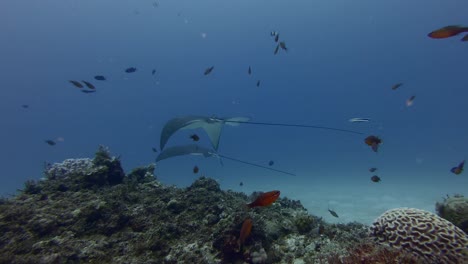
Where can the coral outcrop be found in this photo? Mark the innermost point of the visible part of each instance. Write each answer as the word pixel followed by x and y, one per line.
pixel 90 211
pixel 454 209
pixel 423 234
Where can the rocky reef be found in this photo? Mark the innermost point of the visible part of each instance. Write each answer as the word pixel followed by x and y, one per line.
pixel 89 210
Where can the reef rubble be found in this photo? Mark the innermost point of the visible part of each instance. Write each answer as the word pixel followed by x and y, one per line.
pixel 89 210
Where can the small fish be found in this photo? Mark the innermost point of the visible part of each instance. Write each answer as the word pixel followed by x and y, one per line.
pixel 277 38
pixel 271 163
pixel 273 33
pixel 25 106
pixel 374 142
pixel 89 85
pixel 241 184
pixel 50 142
pixel 396 86
pixel 153 72
pixel 245 231
pixel 195 137
pixel 358 120
pixel 88 91
pixel 458 169
pixel 276 49
pixel 446 32
pixel 258 83
pixel 100 78
pixel 249 71
pixel 375 178
pixel 209 70
pixel 130 70
pixel 265 199
pixel 77 84
pixel 283 45
pixel 154 150
pixel 465 38
pixel 195 169
pixel 410 101
pixel 372 169
pixel 333 212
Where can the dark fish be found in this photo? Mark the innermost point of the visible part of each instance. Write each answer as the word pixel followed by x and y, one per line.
pixel 154 150
pixel 195 169
pixel 245 231
pixel 396 86
pixel 88 91
pixel 77 84
pixel 283 45
pixel 50 142
pixel 465 38
pixel 195 137
pixel 153 72
pixel 277 38
pixel 273 33
pixel 271 163
pixel 265 199
pixel 374 142
pixel 209 70
pixel 249 71
pixel 372 169
pixel 100 78
pixel 410 101
pixel 446 32
pixel 241 184
pixel 333 212
pixel 375 178
pixel 25 106
pixel 458 169
pixel 89 85
pixel 276 49
pixel 130 70
pixel 258 83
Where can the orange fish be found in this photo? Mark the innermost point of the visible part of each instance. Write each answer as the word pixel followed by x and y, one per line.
pixel 447 32
pixel 458 169
pixel 374 142
pixel 245 231
pixel 265 199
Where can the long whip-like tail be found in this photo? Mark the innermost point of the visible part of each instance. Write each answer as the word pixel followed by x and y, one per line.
pixel 256 165
pixel 294 125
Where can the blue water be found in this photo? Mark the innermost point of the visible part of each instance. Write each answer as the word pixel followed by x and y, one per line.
pixel 343 58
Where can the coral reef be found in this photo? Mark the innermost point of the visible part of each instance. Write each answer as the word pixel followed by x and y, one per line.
pixel 455 210
pixel 89 210
pixel 424 234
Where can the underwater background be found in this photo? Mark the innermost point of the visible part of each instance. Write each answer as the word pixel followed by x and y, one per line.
pixel 343 58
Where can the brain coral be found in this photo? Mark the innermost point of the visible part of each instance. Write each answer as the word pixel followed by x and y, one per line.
pixel 422 233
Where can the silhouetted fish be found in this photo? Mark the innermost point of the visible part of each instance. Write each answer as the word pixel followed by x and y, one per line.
pixel 258 83
pixel 50 142
pixel 195 169
pixel 88 91
pixel 374 142
pixel 241 184
pixel 372 169
pixel 271 163
pixel 209 70
pixel 89 85
pixel 100 78
pixel 396 86
pixel 195 137
pixel 333 212
pixel 276 49
pixel 458 169
pixel 153 72
pixel 154 150
pixel 130 70
pixel 410 101
pixel 249 71
pixel 448 31
pixel 77 84
pixel 277 38
pixel 25 106
pixel 375 178
pixel 283 45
